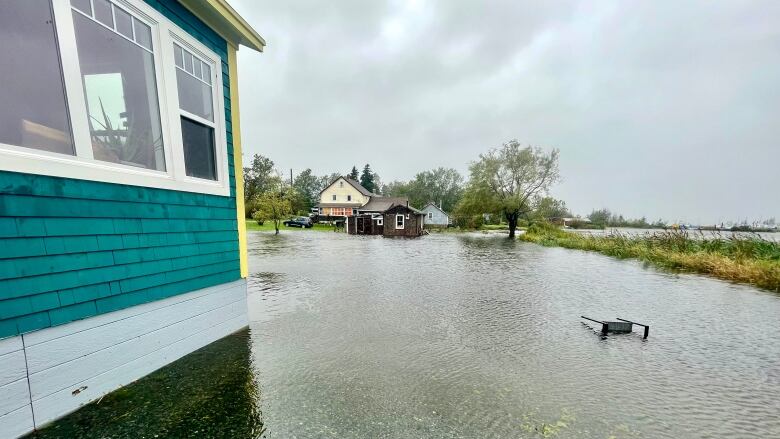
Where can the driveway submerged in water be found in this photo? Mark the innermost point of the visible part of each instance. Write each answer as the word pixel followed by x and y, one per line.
pixel 479 336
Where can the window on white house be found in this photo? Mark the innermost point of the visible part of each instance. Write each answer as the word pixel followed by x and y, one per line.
pixel 430 215
pixel 341 184
pixel 399 221
pixel 334 198
pixel 194 86
pixel 32 96
pixel 120 86
pixel 349 197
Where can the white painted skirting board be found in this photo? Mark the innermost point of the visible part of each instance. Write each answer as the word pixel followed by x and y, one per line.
pixel 40 371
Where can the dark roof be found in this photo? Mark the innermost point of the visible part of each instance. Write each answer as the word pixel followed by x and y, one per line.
pixel 402 207
pixel 359 187
pixel 354 184
pixel 381 204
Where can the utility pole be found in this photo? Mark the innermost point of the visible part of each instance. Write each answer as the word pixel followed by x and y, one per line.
pixel 291 178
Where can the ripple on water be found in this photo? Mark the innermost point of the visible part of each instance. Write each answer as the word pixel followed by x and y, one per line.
pixel 475 336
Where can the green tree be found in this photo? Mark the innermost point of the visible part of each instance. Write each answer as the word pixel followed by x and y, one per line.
pixel 440 185
pixel 367 178
pixel 274 205
pixel 505 180
pixel 258 178
pixel 396 189
pixel 600 217
pixel 308 187
pixel 353 174
pixel 547 208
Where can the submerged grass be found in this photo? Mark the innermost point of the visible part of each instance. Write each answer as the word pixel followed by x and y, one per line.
pixel 268 226
pixel 210 393
pixel 746 259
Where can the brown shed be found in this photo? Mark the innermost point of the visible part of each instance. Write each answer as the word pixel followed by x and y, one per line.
pixel 402 220
pixel 365 224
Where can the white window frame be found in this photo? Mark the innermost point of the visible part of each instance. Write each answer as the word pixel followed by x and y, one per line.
pixel 334 197
pixel 403 222
pixel 83 165
pixel 430 215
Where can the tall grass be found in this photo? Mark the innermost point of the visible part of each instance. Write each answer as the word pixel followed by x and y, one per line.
pixel 746 259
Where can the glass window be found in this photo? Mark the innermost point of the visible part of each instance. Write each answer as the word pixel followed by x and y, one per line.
pixel 399 221
pixel 349 197
pixel 195 98
pixel 121 92
pixel 103 13
pixel 33 109
pixel 195 95
pixel 124 23
pixel 84 6
pixel 198 140
pixel 178 56
pixel 143 34
pixel 334 198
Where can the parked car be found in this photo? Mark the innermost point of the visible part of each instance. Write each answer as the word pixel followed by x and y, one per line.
pixel 299 221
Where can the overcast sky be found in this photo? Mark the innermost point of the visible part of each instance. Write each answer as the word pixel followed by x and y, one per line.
pixel 659 108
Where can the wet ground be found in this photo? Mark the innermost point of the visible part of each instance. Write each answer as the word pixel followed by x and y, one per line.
pixel 463 336
pixel 211 393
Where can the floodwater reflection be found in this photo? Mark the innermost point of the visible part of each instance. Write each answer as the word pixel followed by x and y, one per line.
pixel 477 336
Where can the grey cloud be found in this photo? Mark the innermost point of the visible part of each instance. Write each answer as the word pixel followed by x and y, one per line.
pixel 664 109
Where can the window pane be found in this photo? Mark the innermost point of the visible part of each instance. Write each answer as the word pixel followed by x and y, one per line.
pixel 124 23
pixel 187 62
pixel 206 73
pixel 143 34
pixel 121 94
pixel 194 95
pixel 103 13
pixel 178 56
pixel 32 99
pixel 82 5
pixel 196 68
pixel 198 140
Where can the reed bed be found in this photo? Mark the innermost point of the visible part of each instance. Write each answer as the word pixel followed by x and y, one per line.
pixel 743 258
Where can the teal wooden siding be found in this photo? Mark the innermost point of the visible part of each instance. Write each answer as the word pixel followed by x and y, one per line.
pixel 71 249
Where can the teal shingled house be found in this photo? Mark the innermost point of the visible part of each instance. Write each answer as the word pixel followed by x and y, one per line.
pixel 122 243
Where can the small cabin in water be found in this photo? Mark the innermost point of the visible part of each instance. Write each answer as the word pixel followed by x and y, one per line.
pixel 397 220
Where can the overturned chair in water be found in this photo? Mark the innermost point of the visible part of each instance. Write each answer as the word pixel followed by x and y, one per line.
pixel 621 327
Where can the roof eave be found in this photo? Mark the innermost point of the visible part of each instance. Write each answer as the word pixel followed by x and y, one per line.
pixel 219 15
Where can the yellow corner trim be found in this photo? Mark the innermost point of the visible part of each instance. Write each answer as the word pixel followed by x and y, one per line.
pixel 238 162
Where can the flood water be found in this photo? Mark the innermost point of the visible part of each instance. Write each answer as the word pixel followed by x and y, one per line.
pixel 475 336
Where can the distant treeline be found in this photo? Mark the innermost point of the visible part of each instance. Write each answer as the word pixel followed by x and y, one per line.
pixel 508 184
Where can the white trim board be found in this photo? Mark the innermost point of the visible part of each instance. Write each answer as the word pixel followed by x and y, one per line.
pixel 103 353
